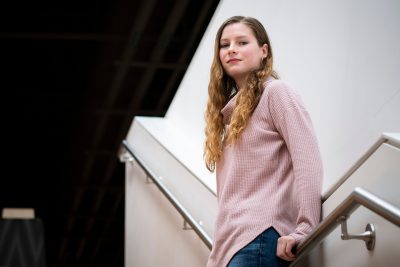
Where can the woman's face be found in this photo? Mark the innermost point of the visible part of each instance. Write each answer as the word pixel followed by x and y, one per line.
pixel 239 52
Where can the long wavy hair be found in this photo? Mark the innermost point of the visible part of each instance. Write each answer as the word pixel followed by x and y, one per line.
pixel 220 88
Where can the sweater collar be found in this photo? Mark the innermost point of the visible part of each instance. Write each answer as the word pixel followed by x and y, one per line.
pixel 227 110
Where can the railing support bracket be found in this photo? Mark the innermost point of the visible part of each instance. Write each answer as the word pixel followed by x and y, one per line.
pixel 148 180
pixel 368 236
pixel 186 225
pixel 124 156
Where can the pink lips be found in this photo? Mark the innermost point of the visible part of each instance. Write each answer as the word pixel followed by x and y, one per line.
pixel 233 60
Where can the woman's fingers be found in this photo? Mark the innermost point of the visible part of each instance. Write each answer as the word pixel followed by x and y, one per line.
pixel 284 248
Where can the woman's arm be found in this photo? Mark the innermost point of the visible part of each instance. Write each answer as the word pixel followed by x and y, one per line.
pixel 294 124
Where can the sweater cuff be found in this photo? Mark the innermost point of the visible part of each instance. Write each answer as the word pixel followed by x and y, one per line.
pixel 297 237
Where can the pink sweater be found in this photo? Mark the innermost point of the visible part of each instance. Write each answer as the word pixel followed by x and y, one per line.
pixel 272 176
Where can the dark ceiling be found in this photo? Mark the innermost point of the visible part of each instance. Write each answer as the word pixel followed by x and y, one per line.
pixel 74 75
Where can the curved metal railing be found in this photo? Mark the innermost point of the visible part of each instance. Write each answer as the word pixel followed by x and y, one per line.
pixel 171 198
pixel 385 138
pixel 359 197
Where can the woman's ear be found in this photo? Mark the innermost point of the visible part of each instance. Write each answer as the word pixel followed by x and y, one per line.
pixel 264 50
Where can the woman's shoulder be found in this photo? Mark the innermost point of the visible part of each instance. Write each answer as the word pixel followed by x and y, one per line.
pixel 278 89
pixel 281 93
pixel 277 86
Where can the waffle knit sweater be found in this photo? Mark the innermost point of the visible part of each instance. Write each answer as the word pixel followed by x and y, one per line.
pixel 271 176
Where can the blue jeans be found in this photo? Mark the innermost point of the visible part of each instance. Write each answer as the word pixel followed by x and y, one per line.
pixel 261 252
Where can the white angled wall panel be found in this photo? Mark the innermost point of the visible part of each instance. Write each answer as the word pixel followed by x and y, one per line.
pixel 153 228
pixel 342 56
pixel 154 234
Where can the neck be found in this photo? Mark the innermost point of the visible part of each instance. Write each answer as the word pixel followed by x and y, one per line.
pixel 240 83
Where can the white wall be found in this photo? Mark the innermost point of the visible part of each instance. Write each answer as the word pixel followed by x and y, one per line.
pixel 154 234
pixel 340 55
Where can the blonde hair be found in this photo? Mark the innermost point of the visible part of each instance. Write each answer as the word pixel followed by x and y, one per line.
pixel 220 88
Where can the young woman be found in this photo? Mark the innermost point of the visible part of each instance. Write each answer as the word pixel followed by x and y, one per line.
pixel 261 142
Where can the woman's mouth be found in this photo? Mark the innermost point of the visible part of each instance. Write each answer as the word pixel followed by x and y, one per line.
pixel 233 60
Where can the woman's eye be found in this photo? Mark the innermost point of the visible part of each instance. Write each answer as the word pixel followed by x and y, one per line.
pixel 223 45
pixel 243 43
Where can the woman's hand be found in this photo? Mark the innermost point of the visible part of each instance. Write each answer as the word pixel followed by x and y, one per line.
pixel 284 248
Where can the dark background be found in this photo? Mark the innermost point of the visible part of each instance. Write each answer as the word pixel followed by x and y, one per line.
pixel 74 74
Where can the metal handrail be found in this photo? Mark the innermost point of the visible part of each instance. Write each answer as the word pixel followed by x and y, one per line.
pixel 172 199
pixel 385 138
pixel 359 197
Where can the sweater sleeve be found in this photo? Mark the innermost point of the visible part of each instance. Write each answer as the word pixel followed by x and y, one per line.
pixel 293 122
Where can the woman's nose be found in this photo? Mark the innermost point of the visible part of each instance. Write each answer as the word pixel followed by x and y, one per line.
pixel 232 49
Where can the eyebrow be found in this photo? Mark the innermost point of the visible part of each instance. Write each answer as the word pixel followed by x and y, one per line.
pixel 236 37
